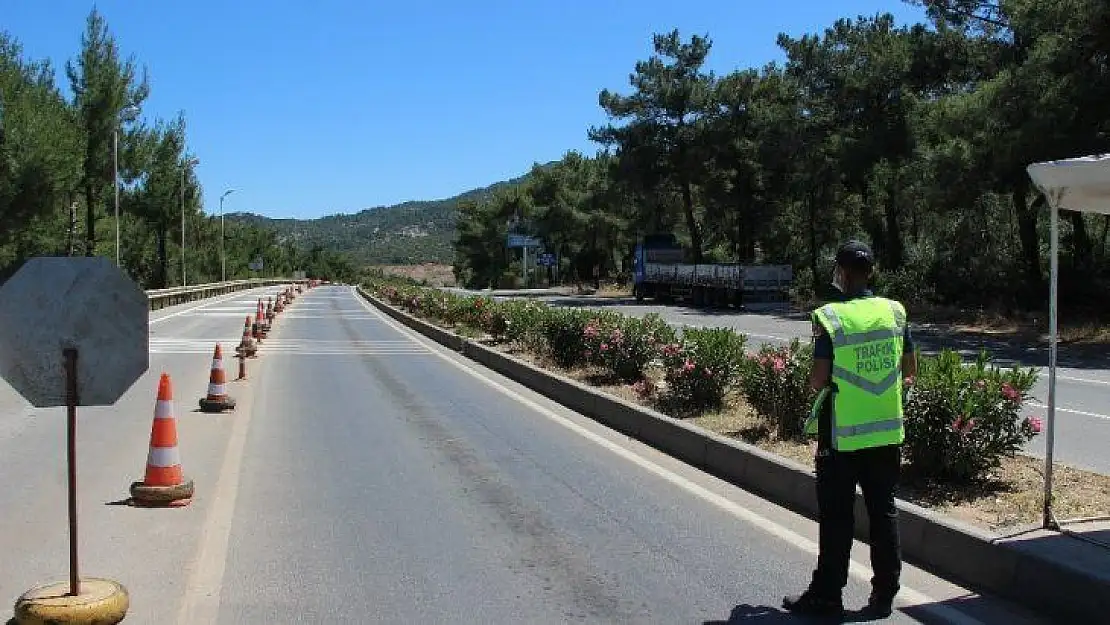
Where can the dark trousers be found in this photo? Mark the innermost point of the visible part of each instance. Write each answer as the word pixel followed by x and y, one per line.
pixel 876 471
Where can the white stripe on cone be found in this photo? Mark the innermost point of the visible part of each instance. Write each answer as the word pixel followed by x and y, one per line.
pixel 217 390
pixel 163 409
pixel 163 457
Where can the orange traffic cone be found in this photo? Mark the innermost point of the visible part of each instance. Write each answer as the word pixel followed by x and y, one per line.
pixel 217 399
pixel 164 484
pixel 270 311
pixel 246 344
pixel 263 327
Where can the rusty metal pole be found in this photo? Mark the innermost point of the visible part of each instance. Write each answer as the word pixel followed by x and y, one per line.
pixel 70 356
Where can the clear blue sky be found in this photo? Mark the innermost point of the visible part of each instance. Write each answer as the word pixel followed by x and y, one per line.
pixel 328 106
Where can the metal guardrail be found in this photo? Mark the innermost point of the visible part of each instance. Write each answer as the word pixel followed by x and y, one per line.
pixel 161 298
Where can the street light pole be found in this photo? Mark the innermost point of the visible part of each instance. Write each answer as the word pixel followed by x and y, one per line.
pixel 189 163
pixel 223 257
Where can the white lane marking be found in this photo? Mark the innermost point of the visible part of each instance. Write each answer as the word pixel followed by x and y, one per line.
pixel 781 339
pixel 201 604
pixel 218 300
pixel 907 597
pixel 1075 379
pixel 1062 409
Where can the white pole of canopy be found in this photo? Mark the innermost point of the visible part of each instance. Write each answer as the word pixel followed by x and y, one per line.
pixel 1048 521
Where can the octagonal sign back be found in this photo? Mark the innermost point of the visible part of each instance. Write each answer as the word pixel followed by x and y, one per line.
pixel 86 303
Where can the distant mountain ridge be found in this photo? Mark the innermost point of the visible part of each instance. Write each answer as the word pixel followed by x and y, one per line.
pixel 402 234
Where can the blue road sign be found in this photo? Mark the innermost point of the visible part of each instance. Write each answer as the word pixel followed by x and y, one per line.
pixel 520 240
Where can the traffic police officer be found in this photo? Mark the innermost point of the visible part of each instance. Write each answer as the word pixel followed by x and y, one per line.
pixel 863 356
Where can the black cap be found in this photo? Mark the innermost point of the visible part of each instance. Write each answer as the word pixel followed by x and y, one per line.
pixel 855 254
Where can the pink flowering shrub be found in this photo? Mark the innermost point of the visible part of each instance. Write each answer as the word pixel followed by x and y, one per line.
pixel 702 367
pixel 776 385
pixel 645 389
pixel 435 306
pixel 961 420
pixel 564 332
pixel 625 345
pixel 390 294
pixel 487 315
pixel 524 322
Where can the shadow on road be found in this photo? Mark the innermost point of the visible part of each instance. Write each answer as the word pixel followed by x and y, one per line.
pixel 746 613
pixel 936 613
pixel 1006 352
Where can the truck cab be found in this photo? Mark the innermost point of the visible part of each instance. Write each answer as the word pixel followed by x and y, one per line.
pixel 653 248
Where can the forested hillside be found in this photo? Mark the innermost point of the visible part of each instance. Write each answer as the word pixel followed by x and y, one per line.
pixel 408 233
pixel 913 138
pixel 57 173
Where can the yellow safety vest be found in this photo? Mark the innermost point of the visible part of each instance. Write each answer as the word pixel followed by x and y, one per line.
pixel 867 336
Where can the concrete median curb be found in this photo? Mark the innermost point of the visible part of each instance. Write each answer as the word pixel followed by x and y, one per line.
pixel 1057 584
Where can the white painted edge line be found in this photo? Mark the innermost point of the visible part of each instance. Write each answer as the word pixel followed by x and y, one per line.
pixel 1078 412
pixel 205 573
pixel 906 597
pixel 1070 378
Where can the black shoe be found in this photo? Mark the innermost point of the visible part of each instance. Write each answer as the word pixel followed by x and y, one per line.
pixel 813 604
pixel 879 605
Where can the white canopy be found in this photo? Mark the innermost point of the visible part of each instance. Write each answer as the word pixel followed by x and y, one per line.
pixel 1078 184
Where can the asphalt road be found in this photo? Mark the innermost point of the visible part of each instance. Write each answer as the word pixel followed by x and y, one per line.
pixel 1082 383
pixel 369 476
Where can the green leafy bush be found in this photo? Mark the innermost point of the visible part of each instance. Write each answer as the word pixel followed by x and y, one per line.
pixel 961 421
pixel 564 334
pixel 701 368
pixel 775 384
pixel 524 323
pixel 625 345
